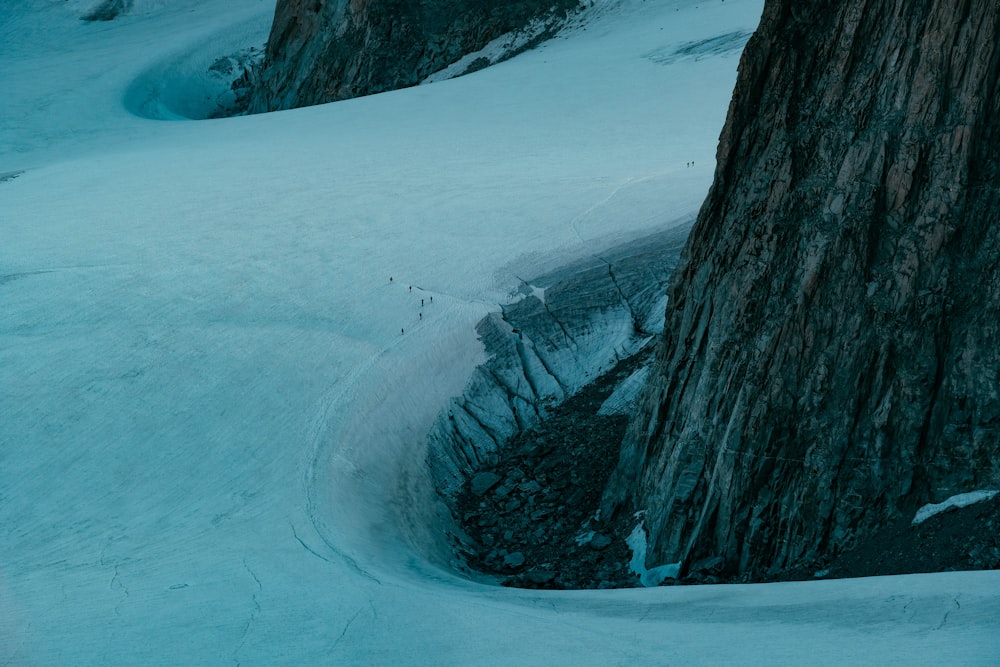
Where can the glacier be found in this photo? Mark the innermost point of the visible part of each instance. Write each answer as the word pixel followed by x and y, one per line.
pixel 215 406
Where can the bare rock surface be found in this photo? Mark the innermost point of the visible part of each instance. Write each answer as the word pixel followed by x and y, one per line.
pixel 327 50
pixel 541 526
pixel 966 538
pixel 830 358
pixel 108 10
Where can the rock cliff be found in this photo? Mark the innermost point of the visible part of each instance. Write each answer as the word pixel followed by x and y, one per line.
pixel 830 358
pixel 327 50
pixel 108 10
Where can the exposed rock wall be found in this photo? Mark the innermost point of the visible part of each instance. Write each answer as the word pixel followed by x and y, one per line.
pixel 326 50
pixel 108 10
pixel 831 354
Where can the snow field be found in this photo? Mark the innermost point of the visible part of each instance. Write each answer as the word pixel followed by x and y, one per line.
pixel 212 429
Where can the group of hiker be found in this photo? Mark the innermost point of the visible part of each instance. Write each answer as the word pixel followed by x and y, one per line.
pixel 420 315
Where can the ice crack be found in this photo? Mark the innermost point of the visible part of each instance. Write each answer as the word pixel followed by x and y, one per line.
pixel 346 628
pixel 636 322
pixel 254 613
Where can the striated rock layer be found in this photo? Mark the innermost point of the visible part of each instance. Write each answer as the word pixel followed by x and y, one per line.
pixel 327 50
pixel 831 355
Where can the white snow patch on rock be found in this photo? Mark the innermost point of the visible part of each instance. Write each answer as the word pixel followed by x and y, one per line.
pixel 498 49
pixel 960 500
pixel 650 577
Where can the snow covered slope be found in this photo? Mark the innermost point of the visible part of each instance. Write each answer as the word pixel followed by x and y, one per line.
pixel 211 422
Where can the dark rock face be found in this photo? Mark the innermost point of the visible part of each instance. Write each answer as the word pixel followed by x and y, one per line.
pixel 962 539
pixel 830 358
pixel 326 50
pixel 108 10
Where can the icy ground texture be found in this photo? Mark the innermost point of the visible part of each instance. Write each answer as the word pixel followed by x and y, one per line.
pixel 212 430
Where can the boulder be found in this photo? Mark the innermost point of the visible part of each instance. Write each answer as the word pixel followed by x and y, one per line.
pixel 483 482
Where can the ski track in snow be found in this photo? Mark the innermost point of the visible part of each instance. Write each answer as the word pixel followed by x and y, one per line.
pixel 318 440
pixel 212 428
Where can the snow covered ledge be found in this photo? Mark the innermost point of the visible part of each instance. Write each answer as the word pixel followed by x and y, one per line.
pixel 955 502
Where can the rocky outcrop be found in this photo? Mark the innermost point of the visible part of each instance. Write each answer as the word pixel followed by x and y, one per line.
pixel 530 518
pixel 327 50
pixel 108 10
pixel 830 357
